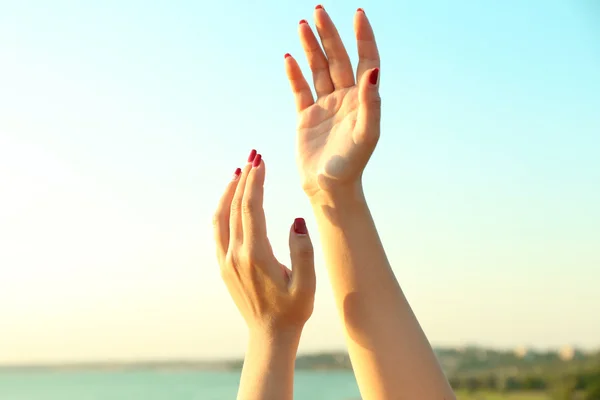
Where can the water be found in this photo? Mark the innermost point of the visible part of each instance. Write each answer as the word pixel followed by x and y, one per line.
pixel 161 385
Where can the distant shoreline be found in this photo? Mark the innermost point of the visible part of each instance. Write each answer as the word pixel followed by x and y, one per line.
pixel 454 360
pixel 122 366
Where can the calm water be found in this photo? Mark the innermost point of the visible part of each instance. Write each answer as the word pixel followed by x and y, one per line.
pixel 160 385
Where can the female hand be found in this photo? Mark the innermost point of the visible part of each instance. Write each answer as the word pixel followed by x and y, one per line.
pixel 338 133
pixel 271 298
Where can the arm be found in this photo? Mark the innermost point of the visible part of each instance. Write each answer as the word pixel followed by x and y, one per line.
pixel 274 301
pixel 391 356
pixel 268 371
pixel 337 134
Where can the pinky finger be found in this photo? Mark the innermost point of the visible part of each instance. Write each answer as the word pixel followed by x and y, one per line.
pixel 222 215
pixel 300 87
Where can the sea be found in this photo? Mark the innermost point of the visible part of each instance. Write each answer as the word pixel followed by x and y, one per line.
pixel 161 385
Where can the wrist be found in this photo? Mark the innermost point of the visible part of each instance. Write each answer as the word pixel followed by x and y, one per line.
pixel 339 204
pixel 339 197
pixel 269 362
pixel 284 341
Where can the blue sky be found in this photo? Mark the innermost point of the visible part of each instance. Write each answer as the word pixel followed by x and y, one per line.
pixel 121 122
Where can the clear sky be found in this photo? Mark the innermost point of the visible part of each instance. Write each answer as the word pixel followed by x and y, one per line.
pixel 121 122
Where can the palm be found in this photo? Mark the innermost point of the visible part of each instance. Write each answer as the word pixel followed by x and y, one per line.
pixel 334 138
pixel 326 138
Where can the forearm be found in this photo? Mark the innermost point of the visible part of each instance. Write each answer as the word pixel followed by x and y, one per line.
pixel 390 354
pixel 268 371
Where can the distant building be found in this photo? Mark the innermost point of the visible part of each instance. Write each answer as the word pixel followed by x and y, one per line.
pixel 522 352
pixel 568 353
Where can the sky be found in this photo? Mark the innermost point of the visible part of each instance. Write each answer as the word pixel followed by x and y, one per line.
pixel 121 122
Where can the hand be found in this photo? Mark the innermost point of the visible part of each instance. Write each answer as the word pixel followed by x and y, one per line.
pixel 271 298
pixel 338 133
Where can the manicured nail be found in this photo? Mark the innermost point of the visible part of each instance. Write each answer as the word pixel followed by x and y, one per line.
pixel 237 173
pixel 287 55
pixel 251 156
pixel 319 7
pixel 300 226
pixel 360 10
pixel 257 160
pixel 374 77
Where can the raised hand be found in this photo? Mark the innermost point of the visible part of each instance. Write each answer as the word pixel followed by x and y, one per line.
pixel 391 356
pixel 270 297
pixel 338 132
pixel 275 301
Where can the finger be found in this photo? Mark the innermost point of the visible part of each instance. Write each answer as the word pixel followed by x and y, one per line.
pixel 253 216
pixel 316 60
pixel 340 68
pixel 221 218
pixel 300 88
pixel 303 259
pixel 368 120
pixel 368 54
pixel 235 218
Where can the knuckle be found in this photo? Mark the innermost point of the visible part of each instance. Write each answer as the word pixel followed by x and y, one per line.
pixel 216 218
pixel 248 206
pixel 227 268
pixel 253 255
pixel 376 101
pixel 307 247
pixel 243 256
pixel 236 206
pixel 304 252
pixel 226 273
pixel 235 256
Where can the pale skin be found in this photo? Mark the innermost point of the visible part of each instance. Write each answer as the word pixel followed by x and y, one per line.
pixel 274 301
pixel 337 133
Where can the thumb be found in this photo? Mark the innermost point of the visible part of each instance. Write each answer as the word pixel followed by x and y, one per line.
pixel 303 259
pixel 369 109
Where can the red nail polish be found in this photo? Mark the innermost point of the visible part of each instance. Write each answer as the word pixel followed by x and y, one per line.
pixel 257 161
pixel 319 7
pixel 300 226
pixel 360 10
pixel 303 21
pixel 287 55
pixel 237 173
pixel 374 76
pixel 251 156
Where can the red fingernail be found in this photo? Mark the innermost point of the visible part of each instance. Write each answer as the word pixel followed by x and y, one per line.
pixel 374 76
pixel 287 55
pixel 360 10
pixel 319 7
pixel 300 226
pixel 303 21
pixel 257 160
pixel 237 173
pixel 251 156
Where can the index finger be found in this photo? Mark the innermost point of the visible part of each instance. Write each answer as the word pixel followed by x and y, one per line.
pixel 253 220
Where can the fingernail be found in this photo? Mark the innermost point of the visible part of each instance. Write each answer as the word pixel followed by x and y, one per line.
pixel 257 160
pixel 303 21
pixel 300 226
pixel 251 156
pixel 374 77
pixel 287 55
pixel 237 173
pixel 319 7
pixel 360 10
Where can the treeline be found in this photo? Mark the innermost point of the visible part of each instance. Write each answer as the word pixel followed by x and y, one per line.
pixel 476 360
pixel 565 386
pixel 475 369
